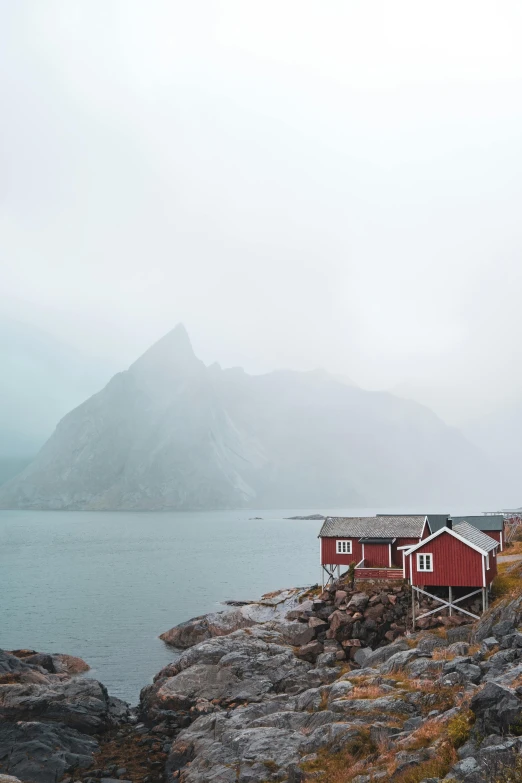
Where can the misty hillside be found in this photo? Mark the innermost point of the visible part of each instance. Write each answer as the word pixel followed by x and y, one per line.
pixel 42 379
pixel 499 434
pixel 171 433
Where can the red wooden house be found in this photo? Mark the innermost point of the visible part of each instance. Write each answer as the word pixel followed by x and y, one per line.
pixel 459 555
pixel 456 556
pixel 374 544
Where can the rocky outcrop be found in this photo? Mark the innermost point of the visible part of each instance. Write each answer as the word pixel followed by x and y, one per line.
pixel 284 699
pixel 43 752
pixel 272 607
pixel 250 706
pixel 48 718
pixel 343 623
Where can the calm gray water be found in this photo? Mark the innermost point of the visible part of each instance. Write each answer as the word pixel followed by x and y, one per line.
pixel 104 585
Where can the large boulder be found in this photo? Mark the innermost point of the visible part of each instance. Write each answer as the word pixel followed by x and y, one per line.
pixel 81 704
pixel 43 752
pixel 199 629
pixel 245 666
pixel 498 710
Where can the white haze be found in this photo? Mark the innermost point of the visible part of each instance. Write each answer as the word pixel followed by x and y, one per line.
pixel 303 184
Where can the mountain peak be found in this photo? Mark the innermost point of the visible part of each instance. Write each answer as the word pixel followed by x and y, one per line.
pixel 173 349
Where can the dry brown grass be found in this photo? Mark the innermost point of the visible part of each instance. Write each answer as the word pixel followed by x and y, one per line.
pixel 435 768
pixel 426 734
pixel 507 583
pixel 443 654
pixel 365 692
pixel 341 767
pixel 513 548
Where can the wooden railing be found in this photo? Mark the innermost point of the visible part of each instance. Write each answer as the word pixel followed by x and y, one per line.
pixel 378 573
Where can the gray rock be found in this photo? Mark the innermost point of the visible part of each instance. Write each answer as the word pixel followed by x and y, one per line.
pixel 382 654
pixel 239 667
pixel 461 633
pixel 413 723
pixel 397 661
pixel 361 655
pixel 496 709
pixel 424 668
pixel 463 769
pixel 82 704
pixel 326 659
pixel 43 752
pixel 358 601
pixel 430 643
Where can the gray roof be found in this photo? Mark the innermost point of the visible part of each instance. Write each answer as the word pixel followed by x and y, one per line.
pixel 435 521
pixel 477 537
pixel 489 522
pixel 373 527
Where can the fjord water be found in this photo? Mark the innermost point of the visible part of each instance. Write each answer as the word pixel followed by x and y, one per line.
pixel 104 585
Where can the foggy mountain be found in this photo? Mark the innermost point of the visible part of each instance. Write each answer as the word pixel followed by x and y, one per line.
pixel 171 433
pixel 499 435
pixel 42 379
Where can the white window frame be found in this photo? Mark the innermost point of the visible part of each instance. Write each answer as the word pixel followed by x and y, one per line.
pixel 343 546
pixel 424 555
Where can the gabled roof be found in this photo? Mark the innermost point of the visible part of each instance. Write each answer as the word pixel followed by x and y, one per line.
pixel 489 522
pixel 373 527
pixel 477 537
pixel 463 532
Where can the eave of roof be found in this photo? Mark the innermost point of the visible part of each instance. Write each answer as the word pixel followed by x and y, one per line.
pixel 376 540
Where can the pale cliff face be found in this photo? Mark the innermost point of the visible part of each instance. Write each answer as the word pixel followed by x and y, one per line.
pixel 170 433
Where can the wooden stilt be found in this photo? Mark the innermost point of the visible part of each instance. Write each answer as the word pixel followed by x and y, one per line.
pixel 413 606
pixel 450 599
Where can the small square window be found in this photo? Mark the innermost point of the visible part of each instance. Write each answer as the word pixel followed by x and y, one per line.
pixel 425 562
pixel 344 547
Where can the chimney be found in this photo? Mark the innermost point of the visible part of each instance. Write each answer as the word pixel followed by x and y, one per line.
pixel 449 523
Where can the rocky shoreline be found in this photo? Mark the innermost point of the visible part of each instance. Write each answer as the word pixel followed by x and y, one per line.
pixel 303 685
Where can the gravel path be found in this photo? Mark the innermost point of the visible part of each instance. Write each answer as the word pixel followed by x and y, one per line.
pixel 508 558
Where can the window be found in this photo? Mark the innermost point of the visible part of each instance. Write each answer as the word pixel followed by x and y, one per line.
pixel 344 547
pixel 425 562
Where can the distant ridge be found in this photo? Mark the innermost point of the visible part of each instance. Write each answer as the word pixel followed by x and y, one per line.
pixel 170 433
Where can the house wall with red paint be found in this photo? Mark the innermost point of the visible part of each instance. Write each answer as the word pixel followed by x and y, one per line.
pixel 397 553
pixel 329 554
pixel 376 555
pixel 454 563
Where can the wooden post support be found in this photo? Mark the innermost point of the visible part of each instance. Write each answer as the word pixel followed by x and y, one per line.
pixel 413 607
pixel 450 600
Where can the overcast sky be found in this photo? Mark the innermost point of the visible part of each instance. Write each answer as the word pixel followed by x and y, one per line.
pixel 302 183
